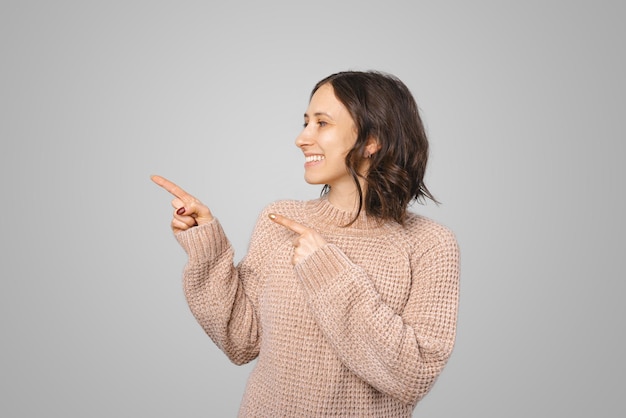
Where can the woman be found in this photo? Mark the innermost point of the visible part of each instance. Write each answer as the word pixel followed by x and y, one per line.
pixel 349 301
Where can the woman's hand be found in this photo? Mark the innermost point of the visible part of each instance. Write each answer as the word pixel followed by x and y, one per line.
pixel 307 241
pixel 188 211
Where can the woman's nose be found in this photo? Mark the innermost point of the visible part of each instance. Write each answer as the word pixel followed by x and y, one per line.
pixel 303 139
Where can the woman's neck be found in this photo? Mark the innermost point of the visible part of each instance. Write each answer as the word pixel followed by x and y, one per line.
pixel 345 196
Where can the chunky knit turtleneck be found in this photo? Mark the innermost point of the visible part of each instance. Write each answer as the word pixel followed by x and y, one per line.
pixel 325 217
pixel 362 327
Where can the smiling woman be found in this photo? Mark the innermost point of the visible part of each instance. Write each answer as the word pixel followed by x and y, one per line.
pixel 348 301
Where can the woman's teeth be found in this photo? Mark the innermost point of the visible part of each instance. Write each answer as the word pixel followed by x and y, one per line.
pixel 312 158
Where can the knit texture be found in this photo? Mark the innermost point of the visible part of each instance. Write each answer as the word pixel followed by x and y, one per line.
pixel 362 327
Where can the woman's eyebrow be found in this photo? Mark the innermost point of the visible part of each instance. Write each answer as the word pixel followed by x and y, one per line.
pixel 306 115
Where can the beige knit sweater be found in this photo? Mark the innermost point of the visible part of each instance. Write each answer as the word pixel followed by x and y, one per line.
pixel 362 327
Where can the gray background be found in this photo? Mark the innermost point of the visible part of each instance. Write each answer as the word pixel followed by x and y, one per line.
pixel 524 104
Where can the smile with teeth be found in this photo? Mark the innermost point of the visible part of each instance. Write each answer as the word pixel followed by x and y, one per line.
pixel 312 158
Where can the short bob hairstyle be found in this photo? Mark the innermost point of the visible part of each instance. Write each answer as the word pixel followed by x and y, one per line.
pixel 383 108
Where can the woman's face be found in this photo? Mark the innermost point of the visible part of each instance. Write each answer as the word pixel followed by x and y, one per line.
pixel 329 134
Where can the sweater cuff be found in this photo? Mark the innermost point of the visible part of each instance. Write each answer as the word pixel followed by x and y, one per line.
pixel 204 242
pixel 322 268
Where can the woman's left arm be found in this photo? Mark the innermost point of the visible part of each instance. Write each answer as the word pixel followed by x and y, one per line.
pixel 398 354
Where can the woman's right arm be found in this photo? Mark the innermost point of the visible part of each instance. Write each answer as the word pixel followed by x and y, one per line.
pixel 223 306
pixel 220 296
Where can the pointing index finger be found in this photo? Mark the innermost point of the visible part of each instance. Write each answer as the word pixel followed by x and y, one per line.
pixel 288 223
pixel 170 187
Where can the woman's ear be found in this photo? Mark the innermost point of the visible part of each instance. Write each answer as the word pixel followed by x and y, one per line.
pixel 372 147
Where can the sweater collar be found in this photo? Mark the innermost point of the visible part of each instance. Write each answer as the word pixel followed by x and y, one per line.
pixel 323 216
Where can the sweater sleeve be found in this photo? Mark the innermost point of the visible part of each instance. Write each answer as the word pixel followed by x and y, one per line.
pixel 222 297
pixel 398 354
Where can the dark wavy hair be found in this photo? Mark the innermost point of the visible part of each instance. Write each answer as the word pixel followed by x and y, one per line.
pixel 383 108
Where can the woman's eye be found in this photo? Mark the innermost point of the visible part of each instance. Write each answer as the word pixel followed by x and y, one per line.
pixel 320 123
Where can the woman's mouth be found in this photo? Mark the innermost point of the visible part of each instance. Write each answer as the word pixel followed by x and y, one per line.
pixel 313 158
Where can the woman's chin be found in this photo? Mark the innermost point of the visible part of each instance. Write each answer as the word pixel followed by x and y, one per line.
pixel 312 180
